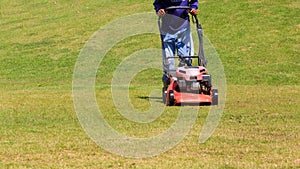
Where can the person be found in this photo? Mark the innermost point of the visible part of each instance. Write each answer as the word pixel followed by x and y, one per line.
pixel 175 32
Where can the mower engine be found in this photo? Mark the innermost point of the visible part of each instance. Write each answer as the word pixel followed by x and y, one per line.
pixel 193 79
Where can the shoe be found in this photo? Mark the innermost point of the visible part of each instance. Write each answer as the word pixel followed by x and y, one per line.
pixel 185 62
pixel 188 61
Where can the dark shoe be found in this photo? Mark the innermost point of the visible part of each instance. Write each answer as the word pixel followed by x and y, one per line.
pixel 188 61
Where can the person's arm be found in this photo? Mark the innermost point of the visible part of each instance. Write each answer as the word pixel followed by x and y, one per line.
pixel 158 4
pixel 194 4
pixel 194 7
pixel 159 7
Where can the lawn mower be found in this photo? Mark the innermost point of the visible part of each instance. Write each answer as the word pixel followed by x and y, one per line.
pixel 188 84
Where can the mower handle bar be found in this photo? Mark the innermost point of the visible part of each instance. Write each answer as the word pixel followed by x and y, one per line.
pixel 201 58
pixel 177 7
pixel 184 7
pixel 182 57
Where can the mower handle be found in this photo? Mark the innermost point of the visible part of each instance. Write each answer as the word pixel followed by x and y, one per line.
pixel 184 7
pixel 182 57
pixel 201 59
pixel 177 7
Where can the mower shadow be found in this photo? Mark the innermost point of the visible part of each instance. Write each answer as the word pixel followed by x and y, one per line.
pixel 157 99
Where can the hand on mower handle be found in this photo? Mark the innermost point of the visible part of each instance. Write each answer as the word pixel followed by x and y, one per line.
pixel 193 11
pixel 161 12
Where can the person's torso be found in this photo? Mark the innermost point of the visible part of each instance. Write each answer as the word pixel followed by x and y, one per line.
pixel 176 19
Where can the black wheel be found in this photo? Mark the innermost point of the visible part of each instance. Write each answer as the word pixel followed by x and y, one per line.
pixel 171 98
pixel 215 97
pixel 164 94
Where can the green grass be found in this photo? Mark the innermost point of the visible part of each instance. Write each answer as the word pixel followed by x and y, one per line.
pixel 257 41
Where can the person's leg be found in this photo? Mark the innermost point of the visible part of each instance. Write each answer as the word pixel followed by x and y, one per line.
pixel 185 44
pixel 168 47
pixel 192 49
pixel 168 50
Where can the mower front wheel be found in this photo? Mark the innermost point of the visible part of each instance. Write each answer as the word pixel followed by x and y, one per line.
pixel 171 100
pixel 164 94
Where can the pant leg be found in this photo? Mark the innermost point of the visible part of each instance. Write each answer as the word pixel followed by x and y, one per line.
pixel 168 50
pixel 192 52
pixel 184 43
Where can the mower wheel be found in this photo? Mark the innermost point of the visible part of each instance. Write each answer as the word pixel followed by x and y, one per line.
pixel 171 98
pixel 164 94
pixel 215 97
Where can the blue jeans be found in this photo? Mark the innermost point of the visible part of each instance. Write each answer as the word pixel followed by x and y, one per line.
pixel 180 42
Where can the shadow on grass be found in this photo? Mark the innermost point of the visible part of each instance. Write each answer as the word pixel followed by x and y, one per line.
pixel 156 99
pixel 148 98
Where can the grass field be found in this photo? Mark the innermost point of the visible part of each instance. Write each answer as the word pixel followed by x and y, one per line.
pixel 40 41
